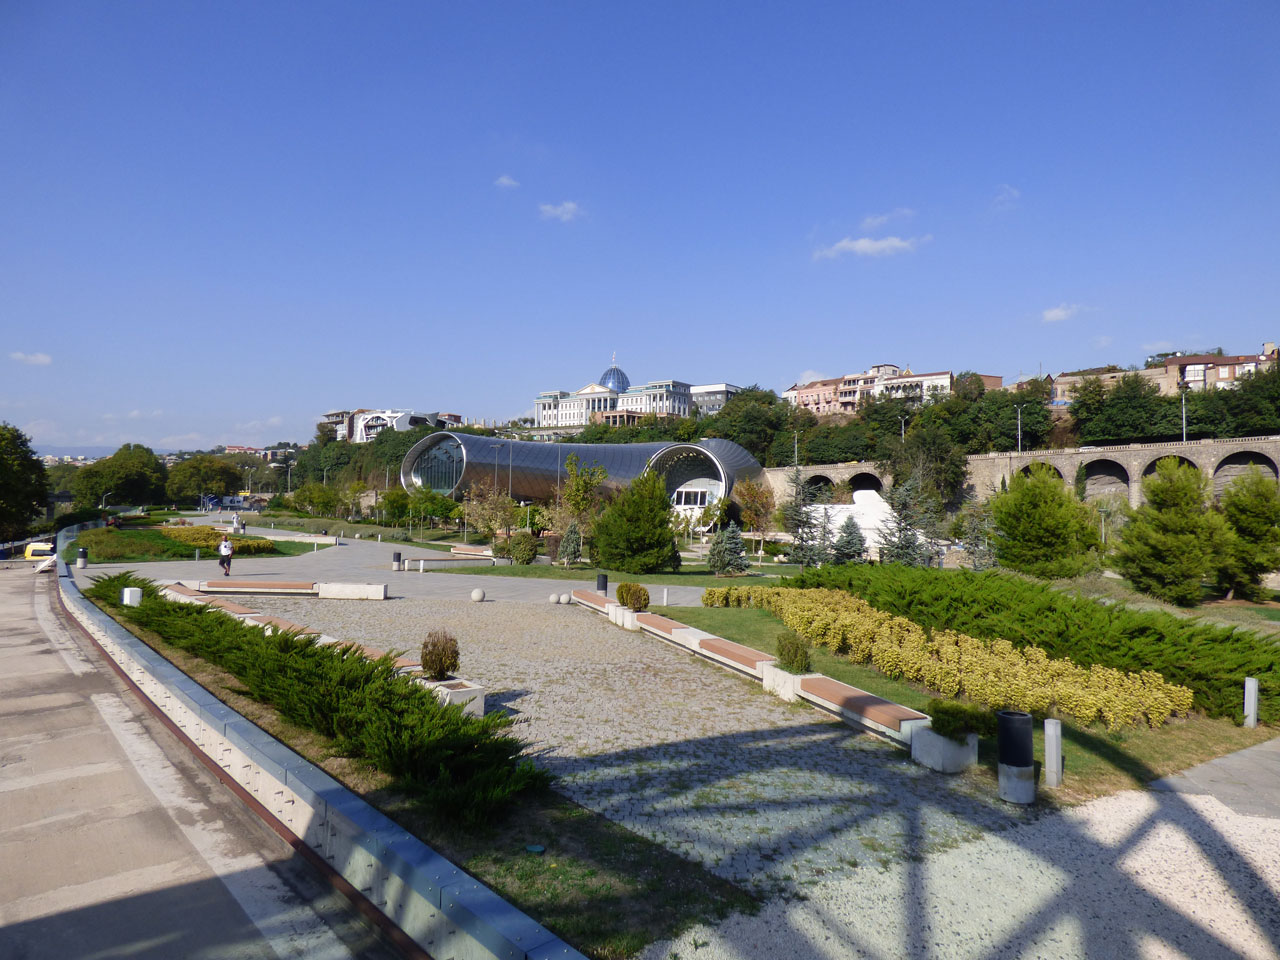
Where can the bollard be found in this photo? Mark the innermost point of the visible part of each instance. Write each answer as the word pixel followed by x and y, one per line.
pixel 477 595
pixel 379 538
pixel 197 553
pixel 1250 701
pixel 602 583
pixel 422 564
pixel 1016 767
pixel 1053 753
pixel 664 596
pixel 315 547
pixel 82 558
pixel 131 596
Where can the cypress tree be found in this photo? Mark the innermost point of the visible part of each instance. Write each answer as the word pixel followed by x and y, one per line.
pixel 634 534
pixel 727 554
pixel 570 545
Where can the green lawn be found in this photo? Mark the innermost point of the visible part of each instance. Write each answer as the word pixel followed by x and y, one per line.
pixel 142 545
pixel 1097 761
pixel 690 575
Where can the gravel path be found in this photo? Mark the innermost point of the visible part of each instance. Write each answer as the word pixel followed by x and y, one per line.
pixel 863 853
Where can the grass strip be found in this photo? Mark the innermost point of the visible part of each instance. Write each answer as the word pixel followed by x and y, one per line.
pixel 690 575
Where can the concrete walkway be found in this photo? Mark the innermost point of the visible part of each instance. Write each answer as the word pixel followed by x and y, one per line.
pixel 113 841
pixel 1247 781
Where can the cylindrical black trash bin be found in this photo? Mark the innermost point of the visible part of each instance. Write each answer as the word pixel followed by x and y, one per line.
pixel 1016 767
pixel 82 558
pixel 1013 738
pixel 395 557
pixel 602 583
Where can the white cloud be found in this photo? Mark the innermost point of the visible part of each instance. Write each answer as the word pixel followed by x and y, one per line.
pixel 506 182
pixel 808 376
pixel 253 425
pixel 564 212
pixel 1101 342
pixel 1063 311
pixel 1158 346
pixel 874 221
pixel 871 247
pixel 1006 198
pixel 32 359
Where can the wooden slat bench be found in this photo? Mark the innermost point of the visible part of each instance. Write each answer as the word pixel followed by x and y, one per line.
pixel 589 598
pixel 656 624
pixel 278 623
pixel 876 713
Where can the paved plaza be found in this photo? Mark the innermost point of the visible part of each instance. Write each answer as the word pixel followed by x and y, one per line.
pixel 859 852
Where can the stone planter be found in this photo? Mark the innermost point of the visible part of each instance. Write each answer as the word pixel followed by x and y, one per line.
pixel 782 683
pixel 941 753
pixel 455 690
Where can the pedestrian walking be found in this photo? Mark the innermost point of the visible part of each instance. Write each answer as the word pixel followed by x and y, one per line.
pixel 225 550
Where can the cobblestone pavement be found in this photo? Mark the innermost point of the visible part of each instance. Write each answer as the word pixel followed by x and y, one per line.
pixel 774 796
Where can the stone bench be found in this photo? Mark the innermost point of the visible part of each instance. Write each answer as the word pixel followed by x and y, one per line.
pixel 861 708
pixel 652 623
pixel 279 624
pixel 589 598
pixel 466 550
pixel 747 659
pixel 298 588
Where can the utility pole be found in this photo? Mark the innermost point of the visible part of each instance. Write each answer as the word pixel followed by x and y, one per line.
pixel 1018 407
pixel 902 422
pixel 1183 391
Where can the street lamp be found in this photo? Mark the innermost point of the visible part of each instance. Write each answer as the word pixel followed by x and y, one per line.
pixel 289 479
pixel 1018 407
pixel 902 422
pixel 1182 389
pixel 102 504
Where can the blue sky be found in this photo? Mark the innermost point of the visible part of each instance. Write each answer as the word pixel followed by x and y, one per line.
pixel 219 220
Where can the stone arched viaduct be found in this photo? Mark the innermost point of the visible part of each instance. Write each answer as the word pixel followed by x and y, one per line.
pixel 1108 470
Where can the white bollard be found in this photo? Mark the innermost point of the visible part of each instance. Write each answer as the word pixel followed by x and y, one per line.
pixel 1250 701
pixel 422 566
pixel 379 538
pixel 131 596
pixel 1053 753
pixel 315 547
pixel 664 596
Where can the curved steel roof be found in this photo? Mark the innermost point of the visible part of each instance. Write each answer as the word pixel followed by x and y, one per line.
pixel 531 471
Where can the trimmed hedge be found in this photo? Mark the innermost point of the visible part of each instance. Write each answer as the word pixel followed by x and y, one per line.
pixel 989 672
pixel 1212 661
pixel 207 538
pixel 633 595
pixel 464 767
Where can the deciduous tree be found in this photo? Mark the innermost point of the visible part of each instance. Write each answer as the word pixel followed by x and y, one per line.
pixel 23 488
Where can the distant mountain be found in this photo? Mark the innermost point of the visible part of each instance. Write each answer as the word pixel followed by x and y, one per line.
pixel 88 450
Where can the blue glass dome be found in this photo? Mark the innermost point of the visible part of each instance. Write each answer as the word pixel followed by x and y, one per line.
pixel 614 379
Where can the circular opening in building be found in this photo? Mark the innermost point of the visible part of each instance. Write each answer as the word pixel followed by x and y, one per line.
pixel 439 467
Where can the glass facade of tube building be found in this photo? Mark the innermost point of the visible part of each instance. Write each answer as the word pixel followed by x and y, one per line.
pixel 451 463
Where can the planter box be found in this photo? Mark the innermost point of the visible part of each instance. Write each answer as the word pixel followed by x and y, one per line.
pixel 470 696
pixel 781 683
pixel 941 753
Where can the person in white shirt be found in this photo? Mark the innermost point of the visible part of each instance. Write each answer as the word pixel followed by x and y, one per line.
pixel 225 549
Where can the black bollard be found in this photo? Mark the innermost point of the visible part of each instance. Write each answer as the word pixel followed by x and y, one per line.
pixel 1016 767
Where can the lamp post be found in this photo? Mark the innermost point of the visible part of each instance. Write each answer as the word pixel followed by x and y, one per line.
pixel 1182 389
pixel 289 479
pixel 324 477
pixel 902 423
pixel 495 447
pixel 510 447
pixel 1018 407
pixel 102 504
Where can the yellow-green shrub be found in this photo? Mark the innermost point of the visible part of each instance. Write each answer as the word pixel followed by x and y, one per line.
pixel 989 672
pixel 206 537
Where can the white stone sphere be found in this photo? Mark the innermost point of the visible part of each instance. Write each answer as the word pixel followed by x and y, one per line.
pixel 564 598
pixel 477 595
pixel 555 598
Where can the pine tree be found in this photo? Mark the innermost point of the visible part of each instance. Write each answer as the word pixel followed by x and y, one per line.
pixel 1173 541
pixel 1041 528
pixel 799 522
pixel 912 517
pixel 727 554
pixel 1251 507
pixel 824 547
pixel 570 545
pixel 634 534
pixel 850 545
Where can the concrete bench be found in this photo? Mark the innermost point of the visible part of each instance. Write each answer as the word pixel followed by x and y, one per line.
pixel 298 588
pixel 735 655
pixel 466 550
pixel 281 625
pixel 863 709
pixel 589 598
pixel 653 623
pixel 227 606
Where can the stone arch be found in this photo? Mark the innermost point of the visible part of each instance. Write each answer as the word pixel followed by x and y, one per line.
pixel 1104 477
pixel 1026 471
pixel 1230 468
pixel 866 481
pixel 818 481
pixel 1150 468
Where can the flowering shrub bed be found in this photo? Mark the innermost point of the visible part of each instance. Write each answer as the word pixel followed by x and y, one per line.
pixel 990 672
pixel 1212 660
pixel 207 538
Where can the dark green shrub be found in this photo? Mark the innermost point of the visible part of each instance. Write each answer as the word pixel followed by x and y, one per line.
pixel 501 549
pixel 956 719
pixel 793 652
pixel 464 767
pixel 524 548
pixel 440 655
